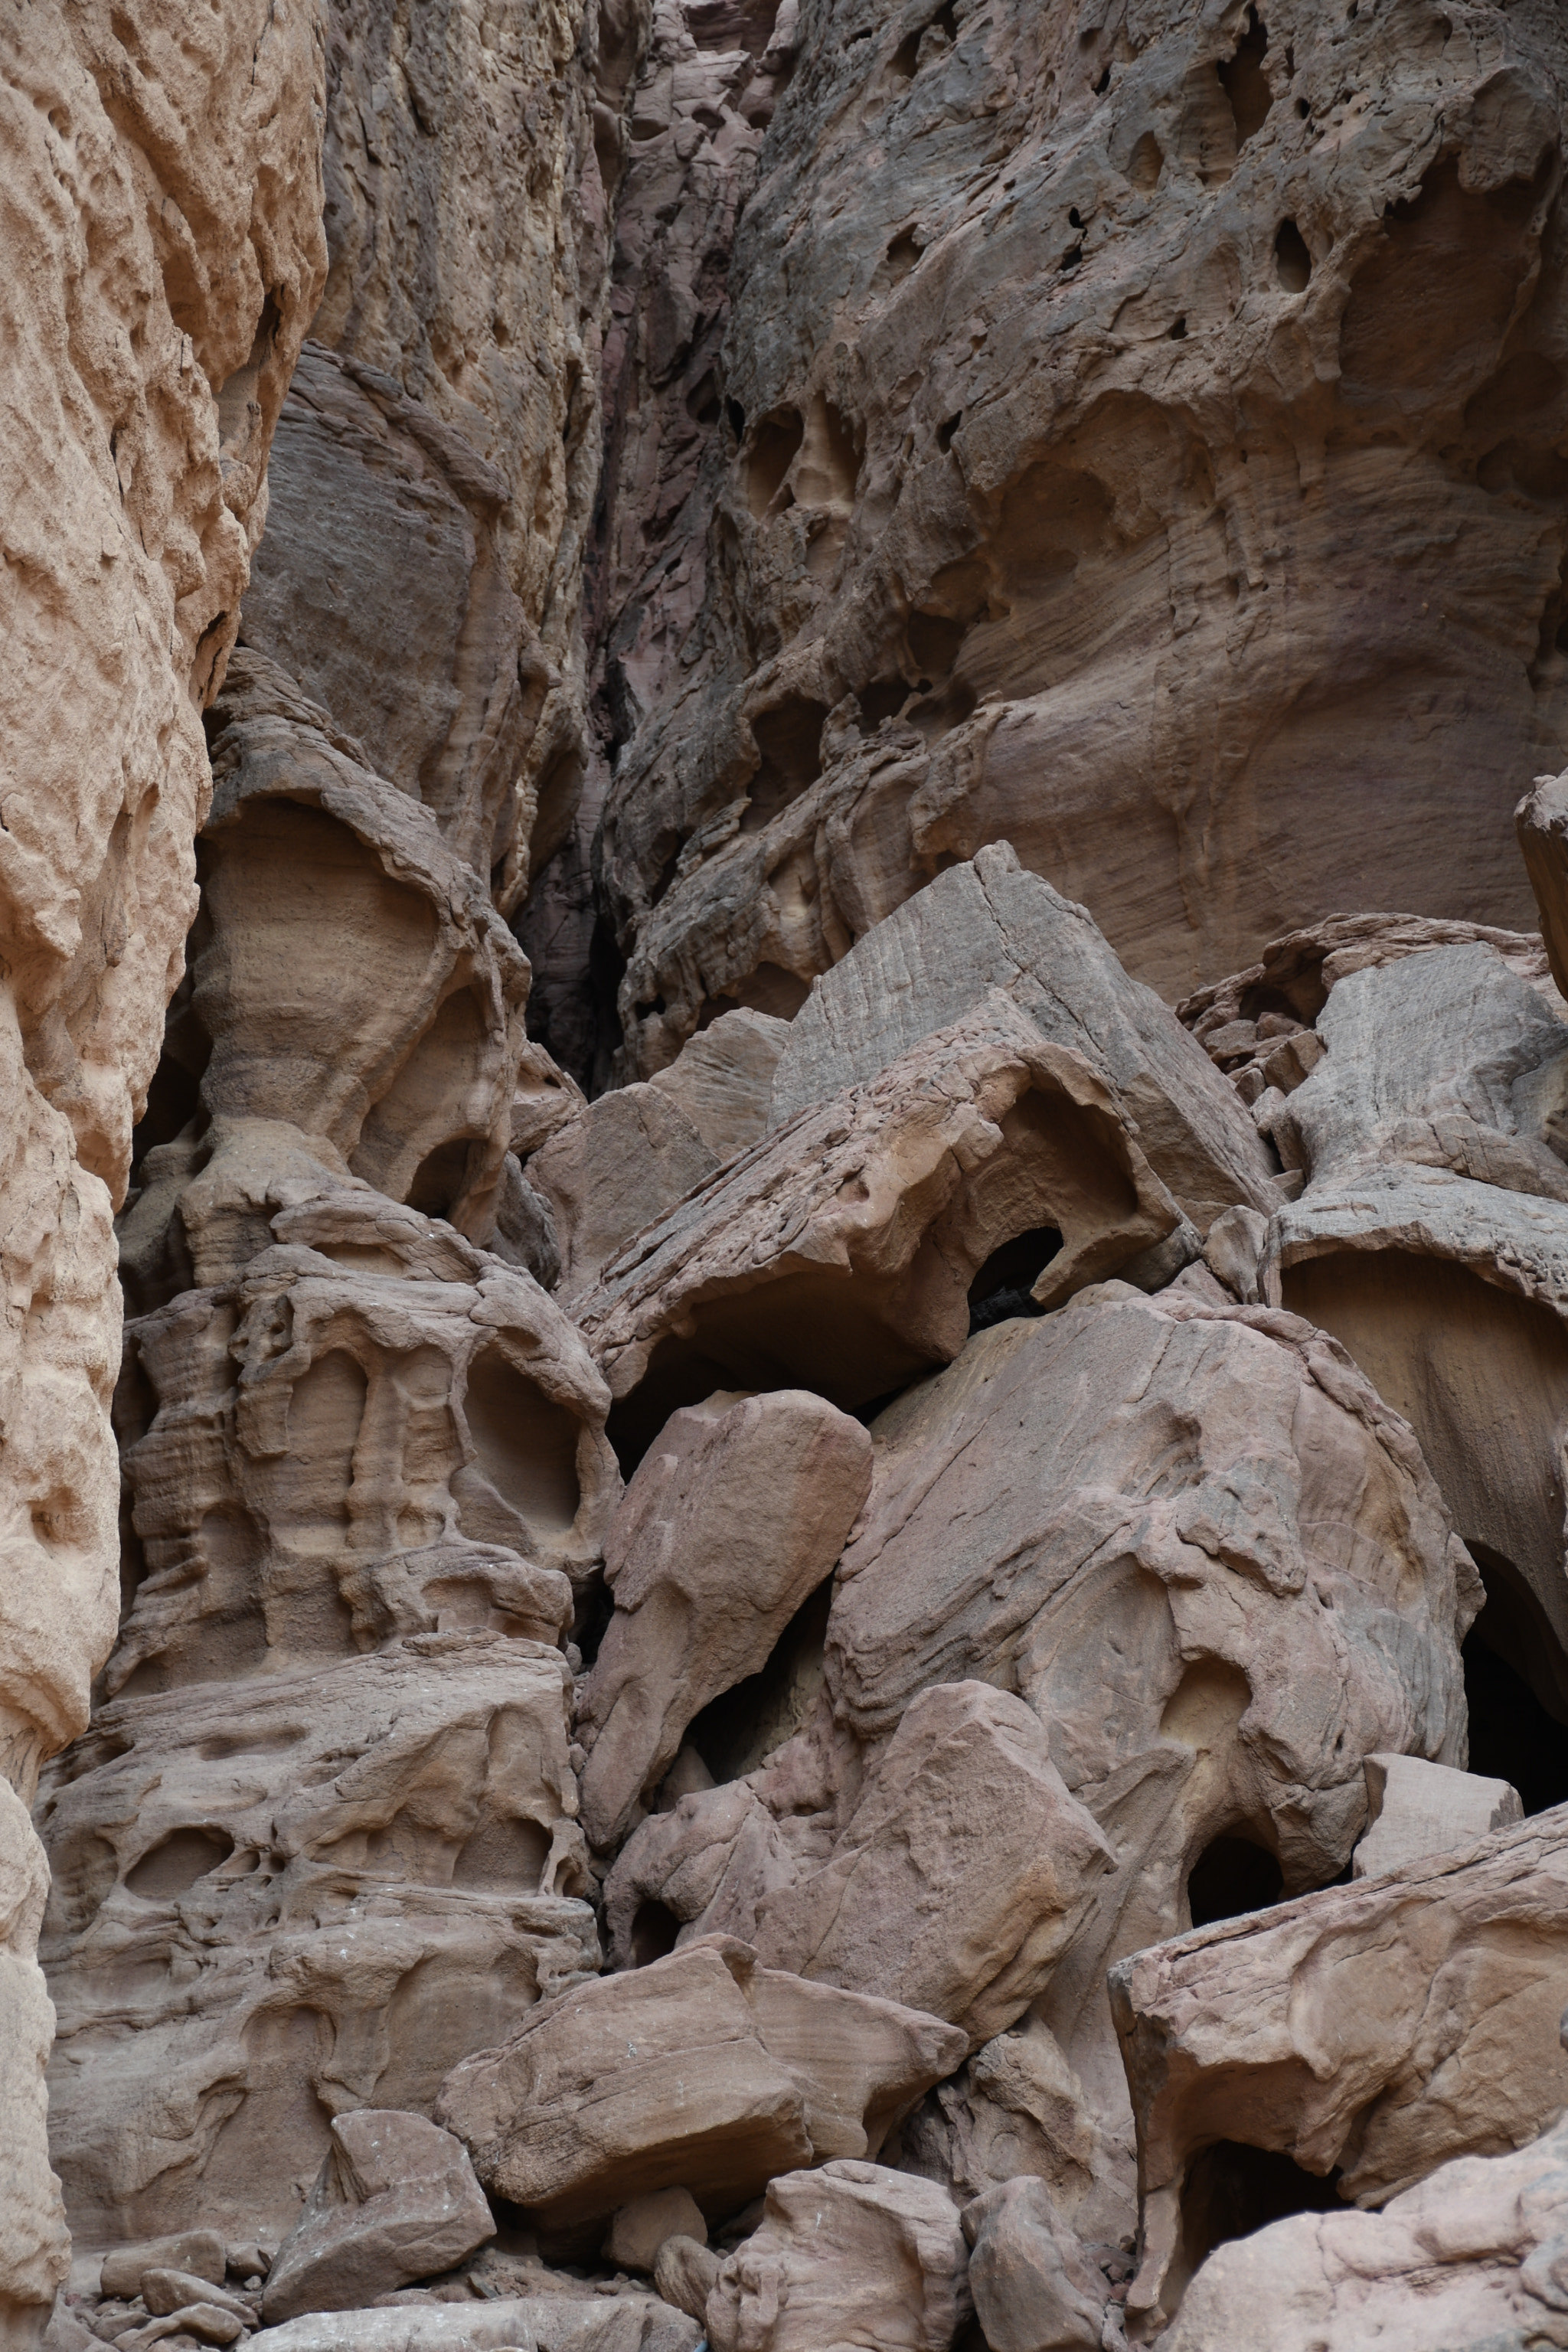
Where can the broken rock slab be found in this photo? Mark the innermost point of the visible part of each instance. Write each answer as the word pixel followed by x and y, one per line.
pixel 395 2200
pixel 991 926
pixel 838 1254
pixel 1384 2027
pixel 702 2071
pixel 852 2255
pixel 1473 2258
pixel 730 1523
pixel 1417 1808
pixel 1034 2288
pixel 280 1897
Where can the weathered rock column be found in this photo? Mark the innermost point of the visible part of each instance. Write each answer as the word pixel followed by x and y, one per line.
pixel 160 211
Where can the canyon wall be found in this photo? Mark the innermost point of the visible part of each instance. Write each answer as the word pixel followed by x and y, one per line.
pixel 841 1610
pixel 165 255
pixel 1131 432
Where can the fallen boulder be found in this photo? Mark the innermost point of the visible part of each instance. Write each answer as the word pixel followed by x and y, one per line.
pixel 395 2200
pixel 701 2071
pixel 852 2255
pixel 729 1523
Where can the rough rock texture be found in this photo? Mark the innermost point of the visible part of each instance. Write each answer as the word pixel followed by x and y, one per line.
pixel 437 461
pixel 740 2072
pixel 840 1252
pixel 162 222
pixel 282 1897
pixel 542 2323
pixel 1471 2259
pixel 1106 452
pixel 724 1531
pixel 1101 401
pixel 1380 2029
pixel 1033 2290
pixel 1417 1808
pixel 396 2198
pixel 853 2255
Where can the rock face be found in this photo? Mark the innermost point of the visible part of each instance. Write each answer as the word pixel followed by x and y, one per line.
pixel 1470 2258
pixel 293 1942
pixel 1062 370
pixel 163 219
pixel 749 1464
pixel 1375 2031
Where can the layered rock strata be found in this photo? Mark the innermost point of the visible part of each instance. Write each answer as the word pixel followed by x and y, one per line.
pixel 1093 1494
pixel 1100 404
pixel 163 199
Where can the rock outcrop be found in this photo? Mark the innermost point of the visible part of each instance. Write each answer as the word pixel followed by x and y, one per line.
pixel 1100 402
pixel 750 1466
pixel 1374 2031
pixel 161 204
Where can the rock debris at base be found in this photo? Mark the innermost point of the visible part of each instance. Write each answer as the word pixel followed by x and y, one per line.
pixel 776 1084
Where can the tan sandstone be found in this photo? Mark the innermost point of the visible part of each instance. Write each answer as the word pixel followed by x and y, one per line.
pixel 731 1522
pixel 702 2071
pixel 1383 2027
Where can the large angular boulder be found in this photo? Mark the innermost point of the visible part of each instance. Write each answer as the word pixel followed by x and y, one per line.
pixel 957 1876
pixel 702 2071
pixel 283 1895
pixel 839 1252
pixel 1033 2287
pixel 961 1875
pixel 1447 1059
pixel 1417 1808
pixel 1383 2027
pixel 395 2200
pixel 729 1525
pixel 852 2257
pixel 1472 2259
pixel 991 927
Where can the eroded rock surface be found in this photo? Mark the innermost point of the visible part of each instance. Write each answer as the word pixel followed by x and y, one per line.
pixel 1378 2031
pixel 1067 358
pixel 162 209
pixel 1111 455
pixel 1471 2258
pixel 279 1899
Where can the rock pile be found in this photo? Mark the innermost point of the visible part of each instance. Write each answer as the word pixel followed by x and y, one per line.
pixel 902 1686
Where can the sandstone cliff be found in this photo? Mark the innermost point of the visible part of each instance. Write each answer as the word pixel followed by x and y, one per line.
pixel 841 1616
pixel 165 255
